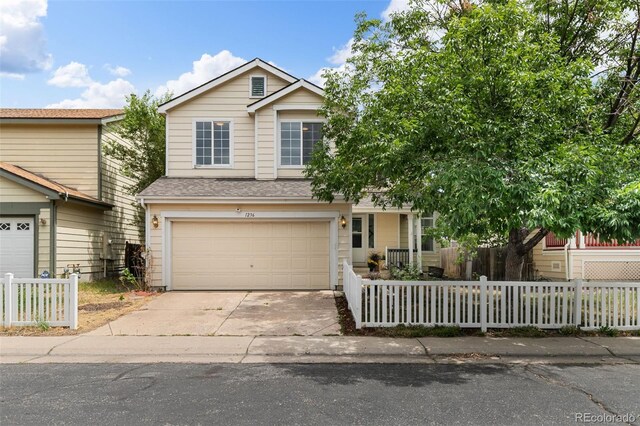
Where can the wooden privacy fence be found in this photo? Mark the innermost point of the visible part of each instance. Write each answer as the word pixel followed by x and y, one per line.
pixel 492 304
pixel 29 301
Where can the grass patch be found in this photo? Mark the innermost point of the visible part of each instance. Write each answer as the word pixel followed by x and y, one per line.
pixel 527 331
pixel 99 302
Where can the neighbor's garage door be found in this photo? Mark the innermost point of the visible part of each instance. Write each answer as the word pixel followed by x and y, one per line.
pixel 16 246
pixel 250 255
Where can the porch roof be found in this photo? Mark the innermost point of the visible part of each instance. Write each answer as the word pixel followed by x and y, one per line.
pixel 366 206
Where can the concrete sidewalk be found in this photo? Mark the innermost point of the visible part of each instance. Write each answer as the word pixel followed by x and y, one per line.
pixel 315 349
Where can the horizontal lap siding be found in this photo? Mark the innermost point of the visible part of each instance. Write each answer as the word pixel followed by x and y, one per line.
pixel 11 192
pixel 543 260
pixel 118 222
pixel 67 154
pixel 230 101
pixel 344 236
pixel 79 239
pixel 44 242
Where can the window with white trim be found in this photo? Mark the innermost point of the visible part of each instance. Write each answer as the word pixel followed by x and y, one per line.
pixel 258 86
pixel 297 141
pixel 428 243
pixel 213 143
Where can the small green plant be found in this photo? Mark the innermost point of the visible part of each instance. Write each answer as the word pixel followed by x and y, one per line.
pixel 121 298
pixel 608 331
pixel 569 330
pixel 42 324
pixel 524 331
pixel 374 261
pixel 406 273
pixel 129 280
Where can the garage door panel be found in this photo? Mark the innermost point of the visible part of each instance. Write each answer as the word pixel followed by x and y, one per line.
pixel 17 254
pixel 250 255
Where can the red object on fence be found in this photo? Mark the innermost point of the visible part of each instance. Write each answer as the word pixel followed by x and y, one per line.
pixel 591 240
pixel 551 241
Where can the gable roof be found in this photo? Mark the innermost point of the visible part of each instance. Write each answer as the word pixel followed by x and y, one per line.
pixel 52 189
pixel 257 62
pixel 300 84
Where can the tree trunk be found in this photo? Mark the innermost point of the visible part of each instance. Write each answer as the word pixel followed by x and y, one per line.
pixel 517 249
pixel 513 263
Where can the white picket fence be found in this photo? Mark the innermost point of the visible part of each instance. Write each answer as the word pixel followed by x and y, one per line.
pixel 492 304
pixel 29 301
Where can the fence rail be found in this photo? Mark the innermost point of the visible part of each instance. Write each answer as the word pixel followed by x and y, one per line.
pixel 29 301
pixel 492 304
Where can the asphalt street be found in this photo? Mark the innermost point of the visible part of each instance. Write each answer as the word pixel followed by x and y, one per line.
pixel 318 394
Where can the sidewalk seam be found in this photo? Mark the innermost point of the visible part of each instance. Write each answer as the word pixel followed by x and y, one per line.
pixel 426 352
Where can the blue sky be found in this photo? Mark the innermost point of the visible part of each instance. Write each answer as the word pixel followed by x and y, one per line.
pixel 90 54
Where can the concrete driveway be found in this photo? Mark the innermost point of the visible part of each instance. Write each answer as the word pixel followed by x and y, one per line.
pixel 237 313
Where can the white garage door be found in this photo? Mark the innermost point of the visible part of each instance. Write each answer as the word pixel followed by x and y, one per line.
pixel 16 246
pixel 250 255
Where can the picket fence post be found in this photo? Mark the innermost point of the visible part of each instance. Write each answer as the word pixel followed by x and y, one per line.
pixel 578 303
pixel 358 301
pixel 73 302
pixel 483 303
pixel 8 299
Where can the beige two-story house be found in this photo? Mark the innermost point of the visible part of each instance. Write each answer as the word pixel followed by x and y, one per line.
pixel 63 204
pixel 234 210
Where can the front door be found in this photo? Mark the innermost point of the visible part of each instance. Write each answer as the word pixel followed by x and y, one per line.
pixel 359 238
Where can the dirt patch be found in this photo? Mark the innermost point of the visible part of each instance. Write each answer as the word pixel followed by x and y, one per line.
pixel 98 304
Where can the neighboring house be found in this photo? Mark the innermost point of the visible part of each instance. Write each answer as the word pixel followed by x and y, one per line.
pixel 584 256
pixel 62 201
pixel 234 210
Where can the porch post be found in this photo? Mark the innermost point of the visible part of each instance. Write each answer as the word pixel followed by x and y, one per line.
pixel 419 241
pixel 410 231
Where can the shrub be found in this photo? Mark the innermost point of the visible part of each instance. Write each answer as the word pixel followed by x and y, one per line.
pixel 406 273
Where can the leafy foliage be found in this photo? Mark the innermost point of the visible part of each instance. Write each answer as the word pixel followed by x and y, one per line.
pixel 142 159
pixel 497 115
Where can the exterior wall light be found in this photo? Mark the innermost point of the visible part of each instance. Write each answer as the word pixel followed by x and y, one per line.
pixel 343 222
pixel 155 222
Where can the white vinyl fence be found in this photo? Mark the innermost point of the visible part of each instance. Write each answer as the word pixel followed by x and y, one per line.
pixel 492 304
pixel 29 301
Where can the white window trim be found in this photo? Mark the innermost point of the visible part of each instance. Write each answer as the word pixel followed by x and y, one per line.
pixel 193 144
pixel 433 219
pixel 265 86
pixel 279 137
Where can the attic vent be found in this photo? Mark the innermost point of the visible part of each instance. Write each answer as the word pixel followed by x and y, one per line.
pixel 258 86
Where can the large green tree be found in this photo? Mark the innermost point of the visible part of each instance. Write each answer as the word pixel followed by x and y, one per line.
pixel 492 115
pixel 142 155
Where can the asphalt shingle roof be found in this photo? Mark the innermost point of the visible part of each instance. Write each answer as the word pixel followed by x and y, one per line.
pixel 59 113
pixel 228 188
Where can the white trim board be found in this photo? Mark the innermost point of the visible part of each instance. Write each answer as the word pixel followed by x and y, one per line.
pixel 168 217
pixel 256 63
pixel 300 84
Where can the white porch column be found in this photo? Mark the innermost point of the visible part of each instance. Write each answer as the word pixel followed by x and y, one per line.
pixel 419 241
pixel 410 231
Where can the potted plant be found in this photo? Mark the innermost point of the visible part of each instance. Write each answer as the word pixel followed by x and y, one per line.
pixel 374 261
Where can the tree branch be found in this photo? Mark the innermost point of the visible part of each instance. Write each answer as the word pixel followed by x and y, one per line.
pixel 533 241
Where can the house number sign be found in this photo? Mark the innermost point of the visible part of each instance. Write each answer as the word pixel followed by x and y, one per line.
pixel 249 214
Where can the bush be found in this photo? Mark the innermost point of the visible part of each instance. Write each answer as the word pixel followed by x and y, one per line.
pixel 406 273
pixel 608 331
pixel 569 330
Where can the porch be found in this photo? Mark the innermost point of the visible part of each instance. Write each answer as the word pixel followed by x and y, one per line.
pixel 393 235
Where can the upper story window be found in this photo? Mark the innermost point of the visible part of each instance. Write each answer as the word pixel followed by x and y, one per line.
pixel 297 141
pixel 258 86
pixel 213 143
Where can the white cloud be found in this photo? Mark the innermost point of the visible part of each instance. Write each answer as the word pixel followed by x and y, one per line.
pixel 118 71
pixel 204 69
pixel 74 74
pixel 339 58
pixel 22 42
pixel 98 95
pixel 12 75
pixel 394 7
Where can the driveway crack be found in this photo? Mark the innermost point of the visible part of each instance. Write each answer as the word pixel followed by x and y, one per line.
pixel 607 349
pixel 246 352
